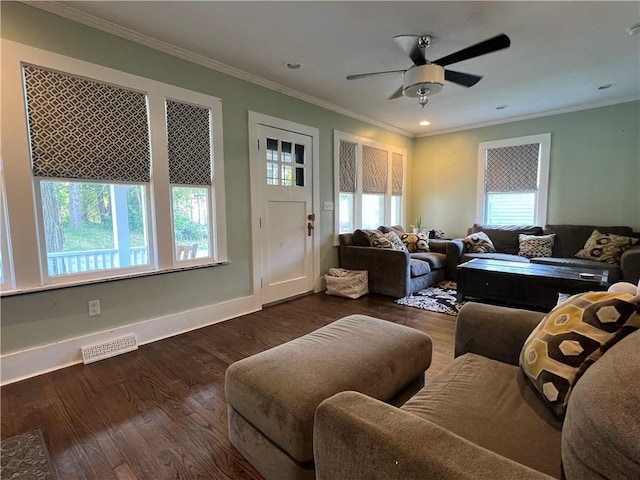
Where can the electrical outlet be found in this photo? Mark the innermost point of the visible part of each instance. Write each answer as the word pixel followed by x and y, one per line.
pixel 94 308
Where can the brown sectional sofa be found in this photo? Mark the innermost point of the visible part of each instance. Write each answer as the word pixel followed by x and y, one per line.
pixel 394 272
pixel 480 419
pixel 569 240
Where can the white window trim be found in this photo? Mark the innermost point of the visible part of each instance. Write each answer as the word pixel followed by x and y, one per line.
pixel 357 200
pixel 8 282
pixel 20 190
pixel 544 140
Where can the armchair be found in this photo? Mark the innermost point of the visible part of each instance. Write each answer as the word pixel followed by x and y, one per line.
pixel 479 419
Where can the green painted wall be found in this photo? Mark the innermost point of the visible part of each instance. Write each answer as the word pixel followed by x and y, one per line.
pixel 45 317
pixel 594 171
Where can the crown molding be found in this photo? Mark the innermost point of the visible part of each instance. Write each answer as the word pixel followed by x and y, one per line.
pixel 548 113
pixel 75 15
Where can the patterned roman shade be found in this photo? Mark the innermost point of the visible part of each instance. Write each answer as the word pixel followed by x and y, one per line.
pixel 397 173
pixel 81 128
pixel 375 172
pixel 189 139
pixel 512 169
pixel 347 160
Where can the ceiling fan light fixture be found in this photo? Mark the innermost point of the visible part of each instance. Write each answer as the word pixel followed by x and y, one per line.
pixel 423 80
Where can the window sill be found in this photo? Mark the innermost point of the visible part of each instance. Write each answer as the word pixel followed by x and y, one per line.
pixel 71 284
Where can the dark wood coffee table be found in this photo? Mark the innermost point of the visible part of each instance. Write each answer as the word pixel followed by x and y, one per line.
pixel 527 284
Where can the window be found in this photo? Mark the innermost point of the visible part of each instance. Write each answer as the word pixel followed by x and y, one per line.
pixel 189 140
pixel 114 174
pixel 95 136
pixel 369 183
pixel 513 180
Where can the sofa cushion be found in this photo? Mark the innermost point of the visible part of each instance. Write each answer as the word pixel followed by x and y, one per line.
pixel 386 240
pixel 478 242
pixel 571 238
pixel 415 242
pixel 606 247
pixel 490 404
pixel 602 426
pixel 361 237
pixel 418 267
pixel 493 256
pixel 505 237
pixel 535 245
pixel 435 260
pixel 571 338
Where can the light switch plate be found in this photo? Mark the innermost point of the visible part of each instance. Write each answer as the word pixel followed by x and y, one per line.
pixel 327 206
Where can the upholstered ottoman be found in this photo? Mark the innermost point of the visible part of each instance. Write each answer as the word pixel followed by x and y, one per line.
pixel 272 396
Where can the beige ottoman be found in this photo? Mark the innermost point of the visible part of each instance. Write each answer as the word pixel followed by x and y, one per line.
pixel 272 396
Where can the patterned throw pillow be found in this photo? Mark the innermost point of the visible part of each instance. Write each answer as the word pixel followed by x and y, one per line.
pixel 415 242
pixel 605 247
pixel 572 337
pixel 532 246
pixel 478 242
pixel 389 240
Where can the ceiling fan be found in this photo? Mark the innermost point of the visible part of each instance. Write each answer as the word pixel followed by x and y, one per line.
pixel 426 78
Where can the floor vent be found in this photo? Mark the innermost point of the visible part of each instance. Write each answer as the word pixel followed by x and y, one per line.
pixel 111 348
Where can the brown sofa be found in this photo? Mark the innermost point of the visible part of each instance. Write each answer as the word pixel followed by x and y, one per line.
pixel 480 419
pixel 569 239
pixel 394 272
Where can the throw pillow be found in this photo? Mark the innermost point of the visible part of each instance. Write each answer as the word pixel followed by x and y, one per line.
pixel 532 246
pixel 389 240
pixel 415 242
pixel 605 247
pixel 478 242
pixel 571 338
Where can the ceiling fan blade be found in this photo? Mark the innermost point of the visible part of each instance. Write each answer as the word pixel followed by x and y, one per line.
pixel 371 74
pixel 396 94
pixel 409 44
pixel 491 45
pixel 464 79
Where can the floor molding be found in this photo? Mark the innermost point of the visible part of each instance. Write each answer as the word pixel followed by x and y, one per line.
pixel 34 361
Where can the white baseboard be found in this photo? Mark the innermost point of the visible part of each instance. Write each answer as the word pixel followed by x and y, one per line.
pixel 34 361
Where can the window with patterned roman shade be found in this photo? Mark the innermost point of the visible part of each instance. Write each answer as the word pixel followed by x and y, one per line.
pixel 369 181
pixel 375 170
pixel 397 173
pixel 513 180
pixel 512 169
pixel 84 129
pixel 347 166
pixel 189 143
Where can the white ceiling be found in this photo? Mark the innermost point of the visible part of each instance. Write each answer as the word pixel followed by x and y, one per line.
pixel 560 53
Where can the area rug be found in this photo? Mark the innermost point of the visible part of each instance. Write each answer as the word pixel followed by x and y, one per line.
pixel 25 456
pixel 440 298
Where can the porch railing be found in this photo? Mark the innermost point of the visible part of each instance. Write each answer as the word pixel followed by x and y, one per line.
pixel 62 263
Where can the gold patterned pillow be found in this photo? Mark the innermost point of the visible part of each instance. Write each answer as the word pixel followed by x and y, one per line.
pixel 389 240
pixel 571 338
pixel 478 242
pixel 605 247
pixel 415 242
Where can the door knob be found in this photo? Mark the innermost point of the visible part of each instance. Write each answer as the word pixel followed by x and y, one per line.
pixel 309 228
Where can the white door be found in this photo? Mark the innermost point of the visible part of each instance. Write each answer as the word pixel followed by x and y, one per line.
pixel 286 219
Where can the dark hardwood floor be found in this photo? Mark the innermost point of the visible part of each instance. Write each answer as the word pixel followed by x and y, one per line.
pixel 160 412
